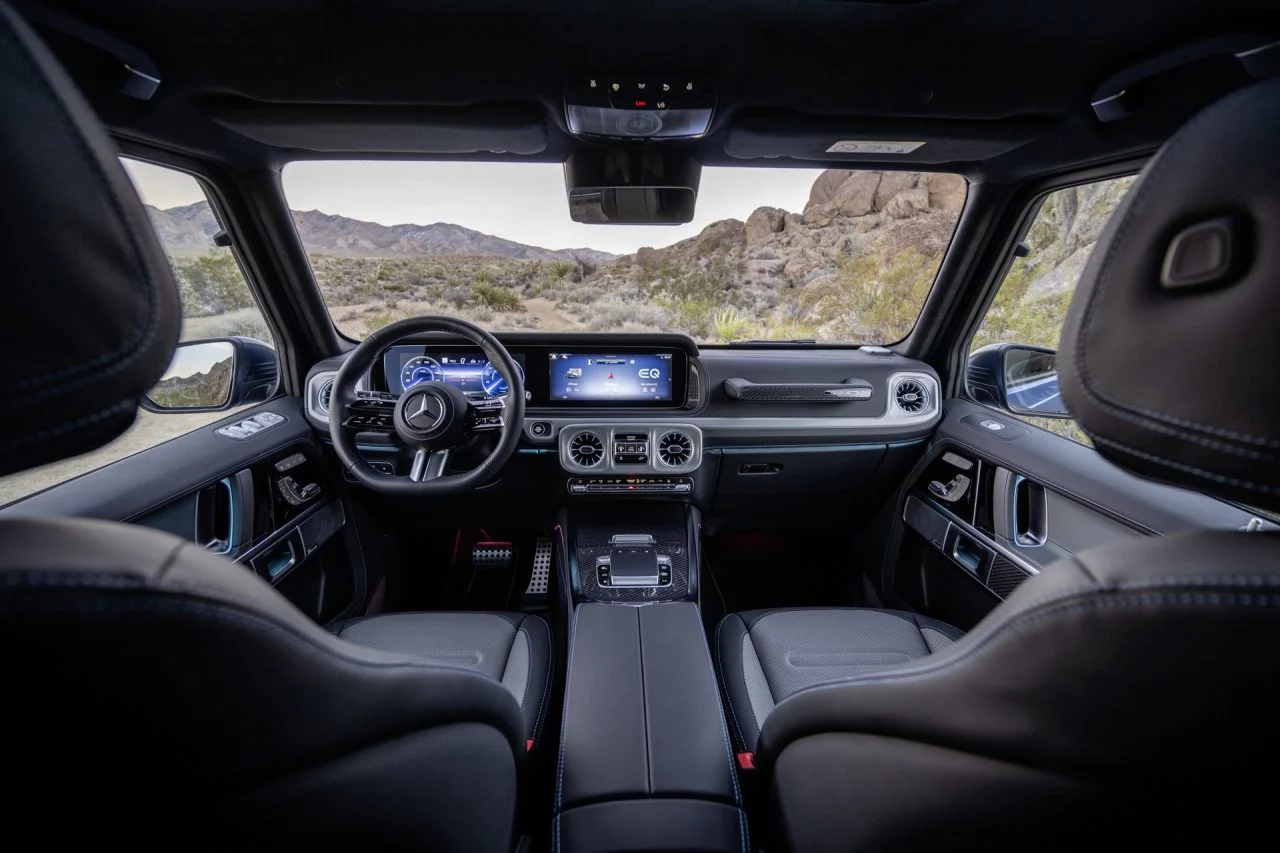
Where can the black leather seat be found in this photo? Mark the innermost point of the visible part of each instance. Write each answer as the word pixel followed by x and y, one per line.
pixel 159 695
pixel 1125 697
pixel 512 648
pixel 765 656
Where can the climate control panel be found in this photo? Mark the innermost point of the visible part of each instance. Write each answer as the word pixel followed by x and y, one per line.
pixel 661 449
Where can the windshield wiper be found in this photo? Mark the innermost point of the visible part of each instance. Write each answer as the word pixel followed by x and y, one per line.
pixel 760 342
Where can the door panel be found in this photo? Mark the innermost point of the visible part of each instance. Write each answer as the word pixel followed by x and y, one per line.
pixel 995 502
pixel 264 500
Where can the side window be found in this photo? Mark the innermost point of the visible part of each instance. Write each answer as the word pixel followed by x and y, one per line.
pixel 216 303
pixel 1031 304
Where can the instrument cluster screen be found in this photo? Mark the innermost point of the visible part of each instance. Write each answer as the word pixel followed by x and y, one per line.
pixel 605 378
pixel 471 372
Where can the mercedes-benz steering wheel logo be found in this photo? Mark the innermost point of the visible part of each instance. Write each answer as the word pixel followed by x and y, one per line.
pixel 424 412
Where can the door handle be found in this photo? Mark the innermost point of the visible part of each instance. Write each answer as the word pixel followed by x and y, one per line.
pixel 952 491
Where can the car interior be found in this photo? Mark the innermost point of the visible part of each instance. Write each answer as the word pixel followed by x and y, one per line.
pixel 937 515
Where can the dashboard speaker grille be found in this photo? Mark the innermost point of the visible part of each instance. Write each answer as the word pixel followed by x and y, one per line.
pixel 911 396
pixel 675 449
pixel 586 449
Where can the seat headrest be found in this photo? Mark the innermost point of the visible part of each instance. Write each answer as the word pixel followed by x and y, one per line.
pixel 1169 350
pixel 88 300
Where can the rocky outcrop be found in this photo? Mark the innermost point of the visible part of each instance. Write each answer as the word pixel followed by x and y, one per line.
pixel 839 193
pixel 763 223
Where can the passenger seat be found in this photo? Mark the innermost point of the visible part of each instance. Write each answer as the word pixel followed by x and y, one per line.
pixel 765 656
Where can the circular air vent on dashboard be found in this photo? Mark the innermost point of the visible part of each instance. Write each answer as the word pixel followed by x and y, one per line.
pixel 675 449
pixel 586 449
pixel 325 396
pixel 911 396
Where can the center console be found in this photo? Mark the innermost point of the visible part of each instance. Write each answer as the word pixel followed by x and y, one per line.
pixel 645 762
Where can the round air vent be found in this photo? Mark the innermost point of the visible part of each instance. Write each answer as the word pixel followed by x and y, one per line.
pixel 675 449
pixel 325 396
pixel 586 449
pixel 911 396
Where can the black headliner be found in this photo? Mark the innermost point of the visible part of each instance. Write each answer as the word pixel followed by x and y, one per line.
pixel 1011 70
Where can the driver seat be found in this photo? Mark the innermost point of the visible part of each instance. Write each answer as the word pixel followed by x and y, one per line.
pixel 161 695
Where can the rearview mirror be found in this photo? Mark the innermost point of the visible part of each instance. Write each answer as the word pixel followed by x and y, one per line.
pixel 1018 378
pixel 632 185
pixel 212 375
pixel 632 205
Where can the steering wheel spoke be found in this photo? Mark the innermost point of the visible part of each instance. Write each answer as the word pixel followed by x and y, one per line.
pixel 428 465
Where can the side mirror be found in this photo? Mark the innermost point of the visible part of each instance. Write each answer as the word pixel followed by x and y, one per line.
pixel 213 375
pixel 1018 378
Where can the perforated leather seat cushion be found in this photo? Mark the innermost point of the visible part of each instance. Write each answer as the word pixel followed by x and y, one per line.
pixel 508 647
pixel 764 656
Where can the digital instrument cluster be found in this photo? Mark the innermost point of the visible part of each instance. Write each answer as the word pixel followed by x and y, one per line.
pixel 627 377
pixel 472 373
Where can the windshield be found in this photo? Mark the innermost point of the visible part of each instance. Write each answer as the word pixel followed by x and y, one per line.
pixel 772 254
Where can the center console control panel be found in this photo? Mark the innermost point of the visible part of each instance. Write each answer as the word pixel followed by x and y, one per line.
pixel 633 561
pixel 630 485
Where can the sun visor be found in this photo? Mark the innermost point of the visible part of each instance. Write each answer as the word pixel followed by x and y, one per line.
pixel 387 130
pixel 877 140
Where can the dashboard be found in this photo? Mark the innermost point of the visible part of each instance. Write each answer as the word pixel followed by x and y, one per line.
pixel 555 377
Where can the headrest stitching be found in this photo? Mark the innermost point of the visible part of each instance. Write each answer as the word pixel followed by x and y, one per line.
pixel 1125 412
pixel 132 348
pixel 1186 469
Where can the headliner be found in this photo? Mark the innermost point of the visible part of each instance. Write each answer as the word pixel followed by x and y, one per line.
pixel 1002 88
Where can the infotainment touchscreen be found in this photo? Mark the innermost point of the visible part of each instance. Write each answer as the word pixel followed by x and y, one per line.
pixel 600 377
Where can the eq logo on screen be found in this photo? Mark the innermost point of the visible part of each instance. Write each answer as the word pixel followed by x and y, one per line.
pixel 650 373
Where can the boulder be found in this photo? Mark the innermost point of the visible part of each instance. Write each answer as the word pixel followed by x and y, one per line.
pixel 763 223
pixel 892 183
pixel 946 191
pixel 649 258
pixel 908 203
pixel 720 237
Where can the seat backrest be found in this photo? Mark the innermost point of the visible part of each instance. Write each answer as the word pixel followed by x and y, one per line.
pixel 1127 695
pixel 156 694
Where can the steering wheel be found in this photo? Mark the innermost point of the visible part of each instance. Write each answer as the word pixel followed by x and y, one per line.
pixel 433 418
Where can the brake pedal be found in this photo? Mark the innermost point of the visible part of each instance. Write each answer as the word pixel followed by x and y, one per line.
pixel 492 556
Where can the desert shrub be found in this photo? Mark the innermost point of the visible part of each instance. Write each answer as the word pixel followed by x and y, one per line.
pixel 729 325
pixel 871 298
pixel 495 297
pixel 691 316
pixel 211 284
pixel 377 320
pixel 559 270
pixel 395 288
pixel 457 296
pixel 483 278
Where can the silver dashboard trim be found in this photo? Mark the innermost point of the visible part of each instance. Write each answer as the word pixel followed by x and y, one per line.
pixel 316 384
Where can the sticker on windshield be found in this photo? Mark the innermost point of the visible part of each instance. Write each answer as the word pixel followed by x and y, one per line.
pixel 874 146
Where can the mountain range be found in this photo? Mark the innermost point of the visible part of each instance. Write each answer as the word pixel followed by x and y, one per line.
pixel 189 230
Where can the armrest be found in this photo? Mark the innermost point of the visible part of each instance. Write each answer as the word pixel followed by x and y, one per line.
pixel 642 710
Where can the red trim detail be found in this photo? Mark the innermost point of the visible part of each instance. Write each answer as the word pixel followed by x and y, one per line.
pixel 747 760
pixel 528 745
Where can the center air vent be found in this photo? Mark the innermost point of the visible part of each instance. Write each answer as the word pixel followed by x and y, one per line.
pixel 675 449
pixel 325 396
pixel 911 396
pixel 586 449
